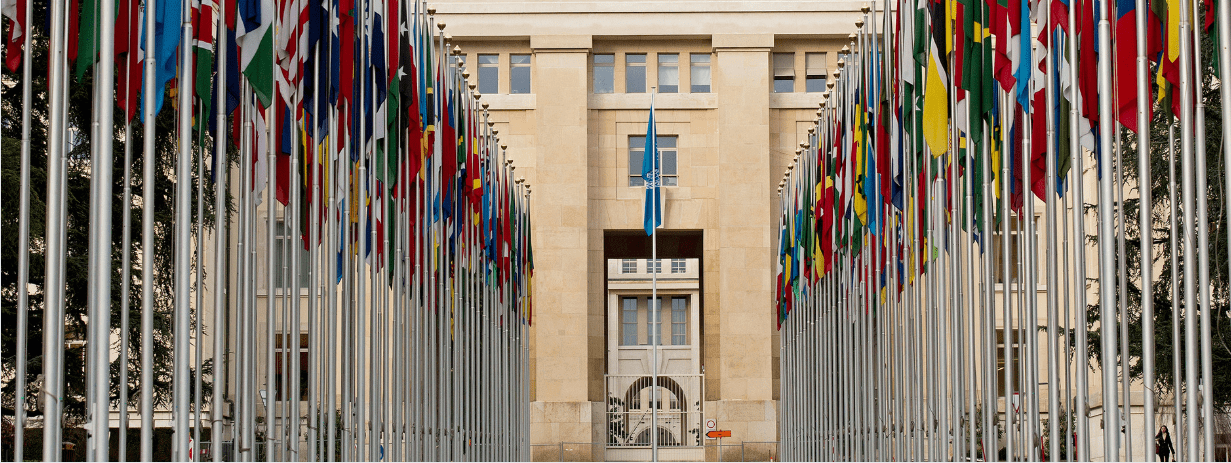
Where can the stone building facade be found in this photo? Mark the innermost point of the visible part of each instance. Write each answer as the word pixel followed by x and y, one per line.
pixel 735 87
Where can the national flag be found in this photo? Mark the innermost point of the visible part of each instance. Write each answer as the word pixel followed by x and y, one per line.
pixel 255 37
pixel 15 10
pixel 651 174
pixel 167 22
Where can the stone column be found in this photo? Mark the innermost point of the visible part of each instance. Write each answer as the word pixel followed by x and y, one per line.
pixel 560 409
pixel 744 377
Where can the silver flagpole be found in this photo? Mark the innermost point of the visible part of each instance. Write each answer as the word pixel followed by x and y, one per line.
pixel 1145 183
pixel 273 339
pixel 990 414
pixel 23 256
pixel 1122 288
pixel 653 302
pixel 1007 338
pixel 1107 295
pixel 333 324
pixel 1079 255
pixel 364 336
pixel 1203 246
pixel 239 426
pixel 315 375
pixel 53 327
pixel 1190 251
pixel 147 242
pixel 183 236
pixel 101 184
pixel 200 286
pixel 292 237
pixel 1224 49
pixel 221 243
pixel 1050 198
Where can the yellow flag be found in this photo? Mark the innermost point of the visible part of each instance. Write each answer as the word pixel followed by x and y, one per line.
pixel 936 105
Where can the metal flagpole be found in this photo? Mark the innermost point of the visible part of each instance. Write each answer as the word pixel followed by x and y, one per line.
pixel 53 328
pixel 183 235
pixel 200 285
pixel 1203 245
pixel 1107 295
pixel 1050 199
pixel 1190 251
pixel 221 165
pixel 147 239
pixel 100 238
pixel 273 268
pixel 1121 222
pixel 653 183
pixel 1145 224
pixel 1079 255
pixel 23 256
pixel 1224 64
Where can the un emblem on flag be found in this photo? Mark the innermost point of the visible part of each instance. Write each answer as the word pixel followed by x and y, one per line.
pixel 652 179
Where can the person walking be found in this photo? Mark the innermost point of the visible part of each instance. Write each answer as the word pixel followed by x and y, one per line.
pixel 1162 445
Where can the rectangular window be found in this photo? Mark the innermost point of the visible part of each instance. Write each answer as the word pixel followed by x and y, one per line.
pixel 653 266
pixel 1014 254
pixel 699 72
pixel 668 73
pixel 654 322
pixel 677 265
pixel 628 266
pixel 628 321
pixel 280 349
pixel 679 321
pixel 634 73
pixel 286 242
pixel 489 74
pixel 519 73
pixel 815 70
pixel 1014 348
pixel 784 72
pixel 604 73
pixel 667 152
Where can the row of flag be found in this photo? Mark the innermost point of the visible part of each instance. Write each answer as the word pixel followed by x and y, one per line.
pixel 912 202
pixel 353 121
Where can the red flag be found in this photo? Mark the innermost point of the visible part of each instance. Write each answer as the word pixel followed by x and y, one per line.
pixel 127 57
pixel 16 35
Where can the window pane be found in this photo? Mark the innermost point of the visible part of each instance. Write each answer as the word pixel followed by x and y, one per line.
pixel 815 84
pixel 604 73
pixel 667 157
pixel 677 266
pixel 699 76
pixel 634 161
pixel 634 73
pixel 489 74
pixel 628 266
pixel 629 322
pixel 665 141
pixel 519 74
pixel 668 73
pixel 784 85
pixel 654 320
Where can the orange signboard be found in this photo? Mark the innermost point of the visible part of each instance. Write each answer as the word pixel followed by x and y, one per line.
pixel 717 434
